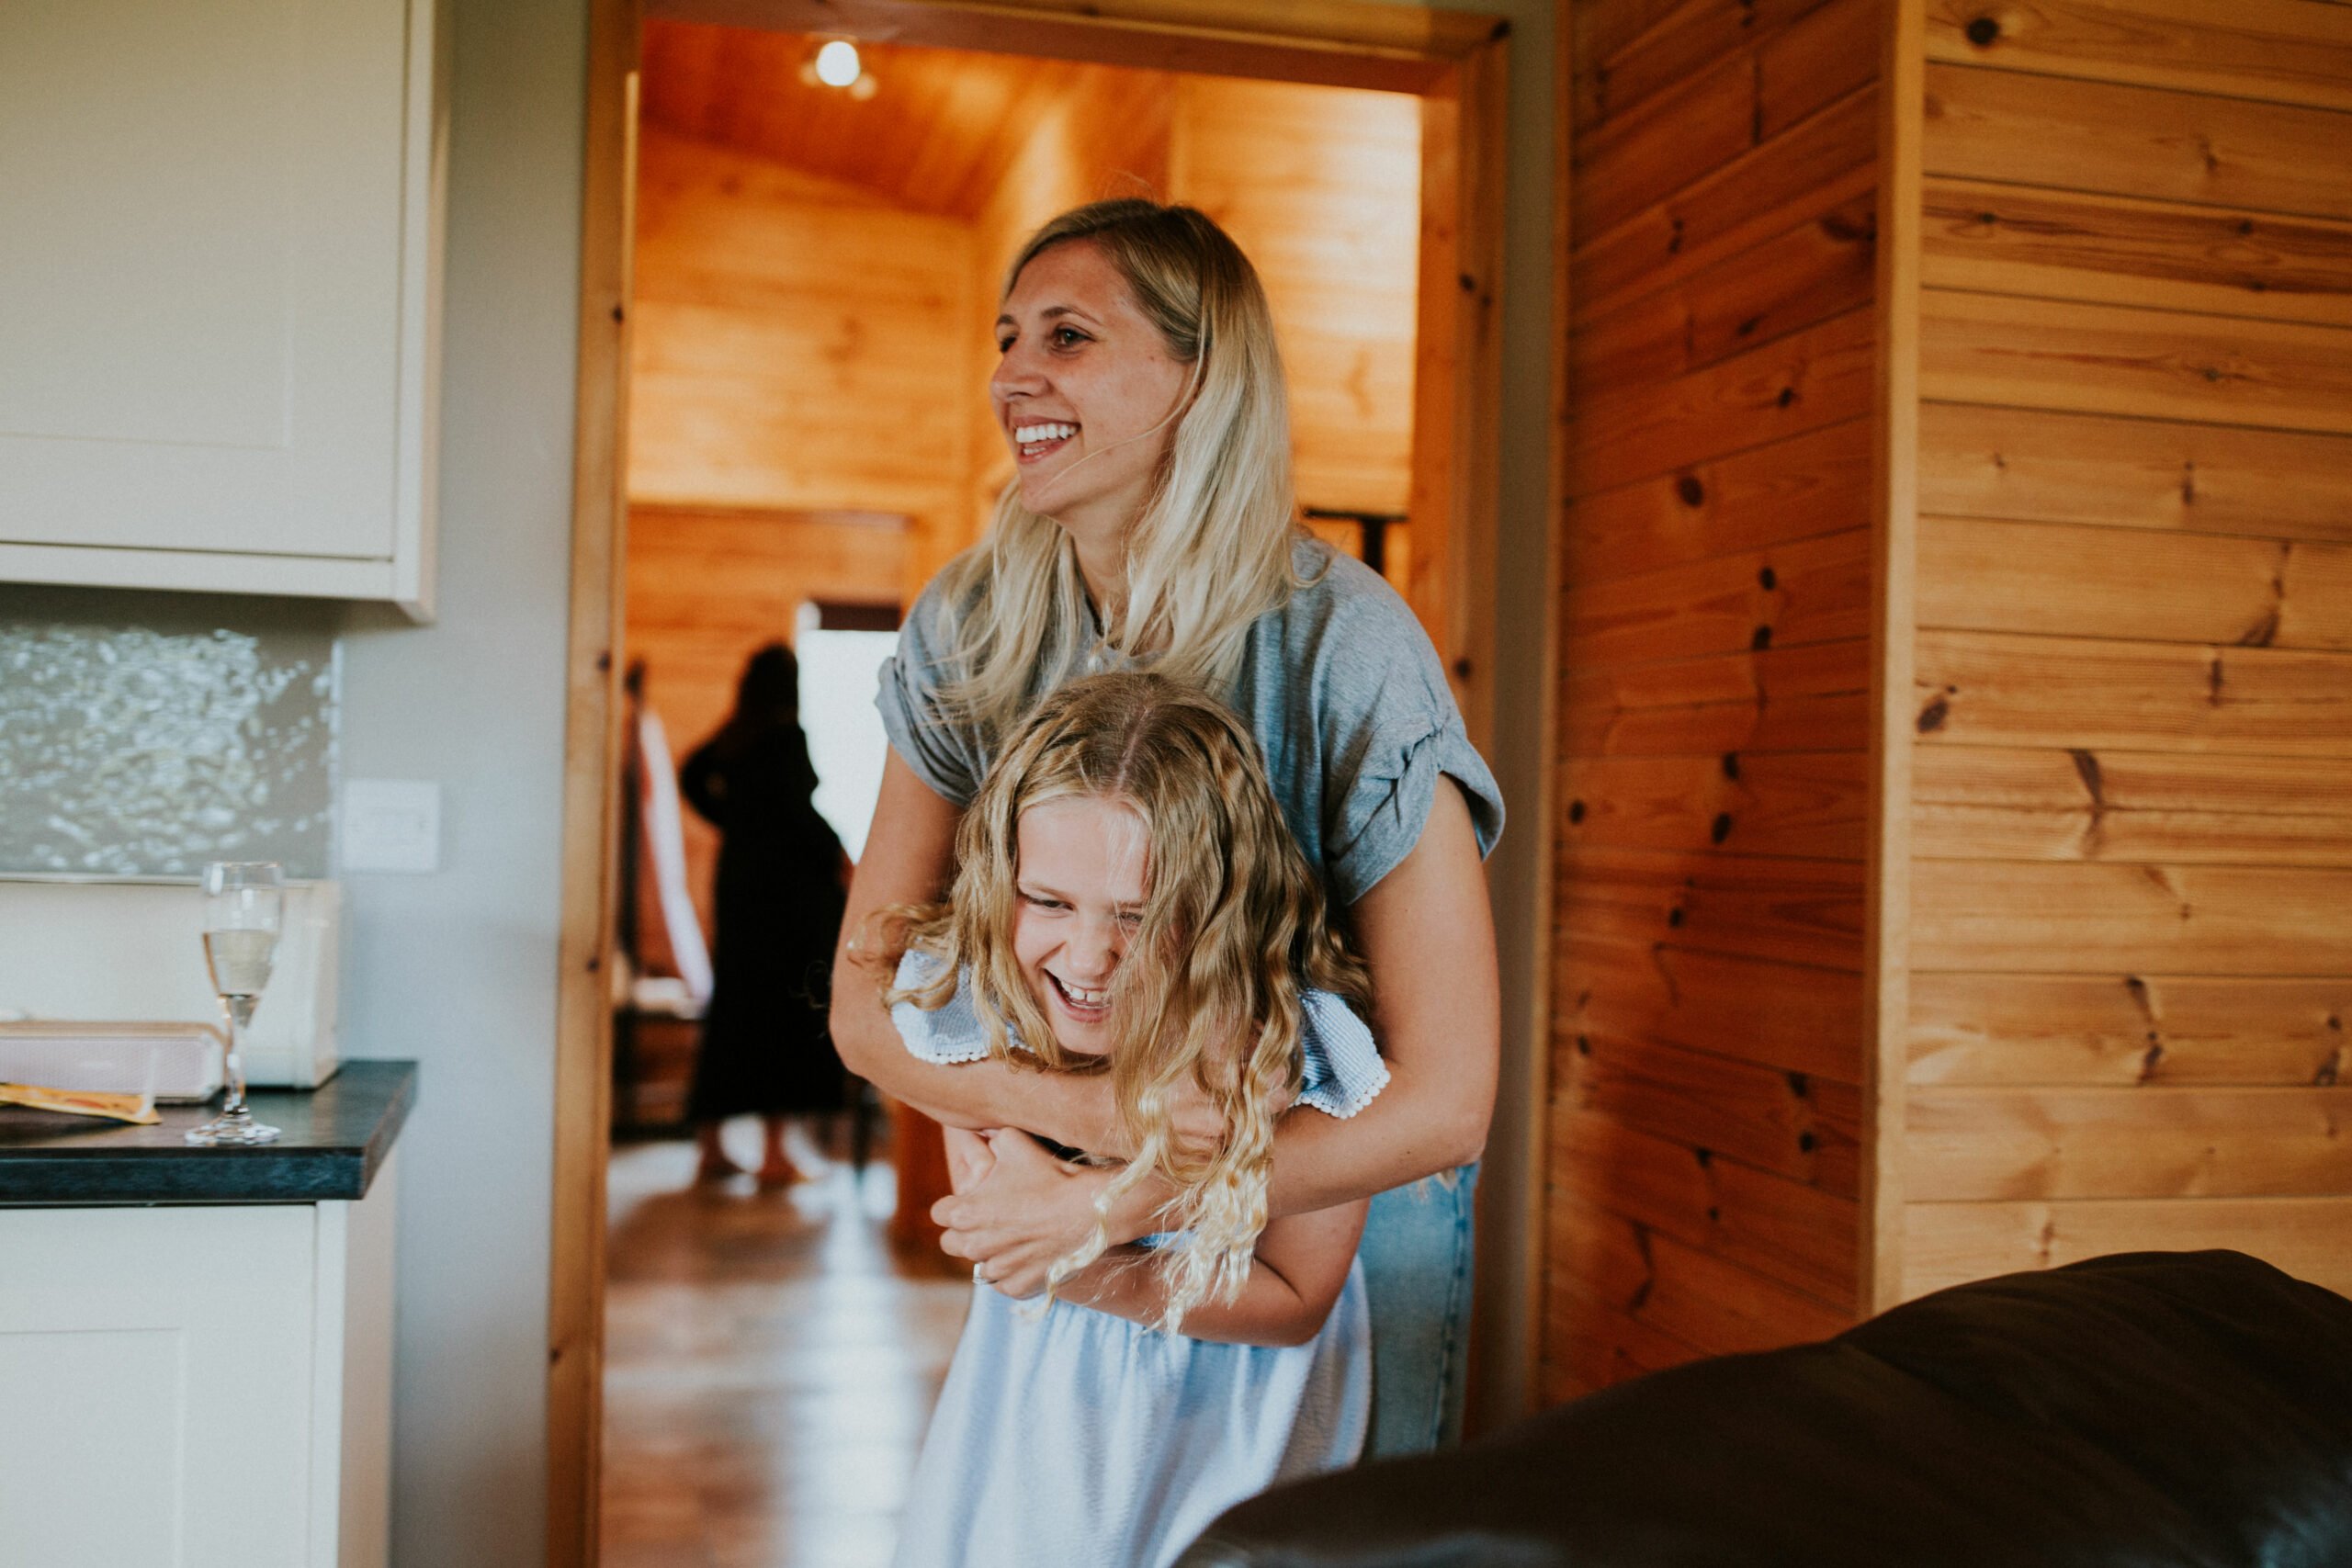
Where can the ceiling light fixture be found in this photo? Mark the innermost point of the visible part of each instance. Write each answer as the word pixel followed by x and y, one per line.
pixel 837 64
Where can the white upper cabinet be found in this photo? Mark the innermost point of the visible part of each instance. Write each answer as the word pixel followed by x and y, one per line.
pixel 219 257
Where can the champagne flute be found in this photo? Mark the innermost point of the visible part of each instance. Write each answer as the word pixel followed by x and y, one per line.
pixel 244 908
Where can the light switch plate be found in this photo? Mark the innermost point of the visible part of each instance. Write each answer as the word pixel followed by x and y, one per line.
pixel 392 825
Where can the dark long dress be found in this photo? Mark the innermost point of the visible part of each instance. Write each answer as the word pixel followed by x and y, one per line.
pixel 764 1045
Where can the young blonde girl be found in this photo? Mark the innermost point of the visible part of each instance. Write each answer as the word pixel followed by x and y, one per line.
pixel 1129 902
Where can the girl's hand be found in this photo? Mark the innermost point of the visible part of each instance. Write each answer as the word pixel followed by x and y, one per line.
pixel 970 1159
pixel 1030 1210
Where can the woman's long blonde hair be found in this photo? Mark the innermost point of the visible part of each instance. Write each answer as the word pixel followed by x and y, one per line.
pixel 1212 551
pixel 1209 987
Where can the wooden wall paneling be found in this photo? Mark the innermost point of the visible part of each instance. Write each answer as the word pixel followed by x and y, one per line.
pixel 2144 1141
pixel 1322 187
pixel 2046 354
pixel 1812 591
pixel 2134 473
pixel 1951 1243
pixel 1689 1296
pixel 1813 168
pixel 2125 583
pixel 1592 1345
pixel 1708 1001
pixel 2285 50
pixel 2153 806
pixel 1813 483
pixel 780 320
pixel 1800 911
pixel 2122 251
pixel 1820 375
pixel 1788 1231
pixel 1817 60
pixel 1709 829
pixel 2144 141
pixel 1819 269
pixel 1999 689
pixel 2120 1030
pixel 2032 916
pixel 1600 32
pixel 1801 1128
pixel 1630 160
pixel 1798 720
pixel 1659 144
pixel 1809 804
pixel 1678 44
pixel 1807 698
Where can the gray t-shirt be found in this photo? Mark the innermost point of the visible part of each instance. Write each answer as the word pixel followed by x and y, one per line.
pixel 1339 685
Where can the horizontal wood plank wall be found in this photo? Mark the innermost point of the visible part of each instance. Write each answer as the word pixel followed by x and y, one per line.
pixel 2133 885
pixel 801 344
pixel 1322 186
pixel 1714 726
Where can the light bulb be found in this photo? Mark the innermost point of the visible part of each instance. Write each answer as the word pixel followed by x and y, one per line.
pixel 837 64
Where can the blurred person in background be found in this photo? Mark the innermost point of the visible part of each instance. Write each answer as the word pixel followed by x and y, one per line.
pixel 782 876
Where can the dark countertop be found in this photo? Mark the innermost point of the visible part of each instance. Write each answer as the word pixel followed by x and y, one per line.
pixel 337 1136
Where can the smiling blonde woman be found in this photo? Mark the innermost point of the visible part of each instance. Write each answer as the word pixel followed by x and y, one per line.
pixel 1152 525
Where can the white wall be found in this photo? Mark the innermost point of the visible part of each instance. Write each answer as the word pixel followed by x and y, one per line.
pixel 458 968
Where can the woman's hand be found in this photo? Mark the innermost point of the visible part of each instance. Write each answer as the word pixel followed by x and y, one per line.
pixel 1030 1210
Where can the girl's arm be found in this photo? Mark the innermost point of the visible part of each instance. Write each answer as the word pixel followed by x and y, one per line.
pixel 1301 1266
pixel 1428 937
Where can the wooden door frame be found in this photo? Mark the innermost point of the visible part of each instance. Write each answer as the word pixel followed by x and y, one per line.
pixel 1452 59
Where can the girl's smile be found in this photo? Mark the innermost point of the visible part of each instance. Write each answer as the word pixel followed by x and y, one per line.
pixel 1082 877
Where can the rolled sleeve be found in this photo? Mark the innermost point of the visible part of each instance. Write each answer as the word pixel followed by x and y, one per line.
pixel 1381 817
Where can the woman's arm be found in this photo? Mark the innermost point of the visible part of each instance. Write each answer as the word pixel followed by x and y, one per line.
pixel 909 859
pixel 1428 937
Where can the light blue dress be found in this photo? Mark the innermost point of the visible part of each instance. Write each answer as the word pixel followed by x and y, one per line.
pixel 1068 1437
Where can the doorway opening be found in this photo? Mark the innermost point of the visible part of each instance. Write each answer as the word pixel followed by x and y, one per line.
pixel 799 367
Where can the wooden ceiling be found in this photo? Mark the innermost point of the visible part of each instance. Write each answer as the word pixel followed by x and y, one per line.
pixel 937 135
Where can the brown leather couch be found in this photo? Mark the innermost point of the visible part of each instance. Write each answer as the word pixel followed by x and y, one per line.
pixel 2147 1410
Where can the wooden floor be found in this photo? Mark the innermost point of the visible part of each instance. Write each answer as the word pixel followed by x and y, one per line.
pixel 769 1368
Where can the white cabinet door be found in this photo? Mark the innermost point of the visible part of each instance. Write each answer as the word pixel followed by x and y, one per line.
pixel 217 293
pixel 201 1387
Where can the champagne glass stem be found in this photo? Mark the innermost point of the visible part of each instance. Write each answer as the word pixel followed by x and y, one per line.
pixel 240 1011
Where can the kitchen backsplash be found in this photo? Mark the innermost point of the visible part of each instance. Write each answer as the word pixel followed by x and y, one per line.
pixel 143 734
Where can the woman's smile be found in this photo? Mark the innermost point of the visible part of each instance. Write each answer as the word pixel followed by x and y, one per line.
pixel 1087 394
pixel 1034 442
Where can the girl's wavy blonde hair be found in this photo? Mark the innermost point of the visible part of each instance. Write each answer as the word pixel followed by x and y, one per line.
pixel 1212 551
pixel 1209 989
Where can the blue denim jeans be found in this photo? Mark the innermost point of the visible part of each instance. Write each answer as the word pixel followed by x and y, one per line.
pixel 1417 1256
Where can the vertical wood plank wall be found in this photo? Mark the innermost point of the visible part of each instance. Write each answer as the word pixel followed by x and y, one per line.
pixel 2131 951
pixel 1715 666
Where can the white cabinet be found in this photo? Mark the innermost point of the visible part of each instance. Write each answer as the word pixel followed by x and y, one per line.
pixel 201 1387
pixel 219 293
